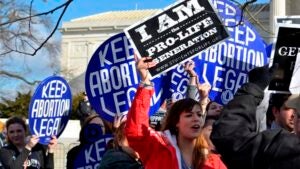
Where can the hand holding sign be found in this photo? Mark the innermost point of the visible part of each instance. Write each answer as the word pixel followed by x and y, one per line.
pixel 32 141
pixel 52 144
pixel 143 67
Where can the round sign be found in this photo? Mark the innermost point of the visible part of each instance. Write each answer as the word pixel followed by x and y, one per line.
pixel 90 155
pixel 111 79
pixel 50 108
pixel 92 132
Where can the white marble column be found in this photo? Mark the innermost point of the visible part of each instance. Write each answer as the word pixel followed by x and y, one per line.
pixel 277 8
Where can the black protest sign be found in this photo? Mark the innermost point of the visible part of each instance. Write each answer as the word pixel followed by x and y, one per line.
pixel 284 55
pixel 177 33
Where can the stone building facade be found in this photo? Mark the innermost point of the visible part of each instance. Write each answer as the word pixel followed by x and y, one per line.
pixel 82 36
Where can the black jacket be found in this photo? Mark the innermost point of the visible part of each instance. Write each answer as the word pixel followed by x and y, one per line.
pixel 242 147
pixel 116 158
pixel 11 158
pixel 72 154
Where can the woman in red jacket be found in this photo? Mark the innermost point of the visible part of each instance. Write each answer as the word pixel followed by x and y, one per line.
pixel 180 145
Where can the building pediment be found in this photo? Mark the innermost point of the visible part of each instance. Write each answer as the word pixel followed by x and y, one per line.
pixel 113 20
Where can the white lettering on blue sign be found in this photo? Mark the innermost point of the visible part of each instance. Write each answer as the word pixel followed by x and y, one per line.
pixel 54 89
pixel 115 78
pixel 48 127
pixel 245 60
pixel 50 108
pixel 117 52
pixel 90 156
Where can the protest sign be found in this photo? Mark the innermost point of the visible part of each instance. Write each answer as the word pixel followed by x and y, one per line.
pixel 285 55
pixel 225 66
pixel 90 154
pixel 111 79
pixel 177 33
pixel 50 108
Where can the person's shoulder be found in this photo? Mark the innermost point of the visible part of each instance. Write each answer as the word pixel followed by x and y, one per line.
pixel 113 152
pixel 214 161
pixel 116 158
pixel 117 154
pixel 74 150
pixel 8 148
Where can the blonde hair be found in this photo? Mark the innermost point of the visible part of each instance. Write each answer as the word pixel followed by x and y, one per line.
pixel 200 152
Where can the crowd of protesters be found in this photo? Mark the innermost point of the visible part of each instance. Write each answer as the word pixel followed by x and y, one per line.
pixel 186 133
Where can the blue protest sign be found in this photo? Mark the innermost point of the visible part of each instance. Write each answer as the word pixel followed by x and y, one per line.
pixel 111 78
pixel 91 155
pixel 92 132
pixel 269 50
pixel 226 65
pixel 50 108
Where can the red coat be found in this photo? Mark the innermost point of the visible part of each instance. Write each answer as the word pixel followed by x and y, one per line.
pixel 156 149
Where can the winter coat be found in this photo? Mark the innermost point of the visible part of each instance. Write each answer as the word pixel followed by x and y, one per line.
pixel 37 158
pixel 116 158
pixel 156 149
pixel 242 146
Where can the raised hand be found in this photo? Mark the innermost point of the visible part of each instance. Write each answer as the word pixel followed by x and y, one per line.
pixel 118 120
pixel 189 68
pixel 204 90
pixel 142 65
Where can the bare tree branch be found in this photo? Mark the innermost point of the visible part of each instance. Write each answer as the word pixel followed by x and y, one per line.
pixel 253 19
pixel 35 50
pixel 17 76
pixel 243 7
pixel 65 5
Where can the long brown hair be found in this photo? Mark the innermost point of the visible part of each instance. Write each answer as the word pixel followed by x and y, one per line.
pixel 119 137
pixel 200 151
pixel 119 134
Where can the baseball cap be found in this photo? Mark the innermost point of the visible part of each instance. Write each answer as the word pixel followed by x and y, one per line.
pixel 294 102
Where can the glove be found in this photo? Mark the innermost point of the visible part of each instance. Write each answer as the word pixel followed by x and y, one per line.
pixel 261 76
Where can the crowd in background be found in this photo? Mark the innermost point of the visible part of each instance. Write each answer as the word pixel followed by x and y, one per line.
pixel 185 133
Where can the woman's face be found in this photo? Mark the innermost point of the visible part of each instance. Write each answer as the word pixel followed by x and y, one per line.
pixel 16 134
pixel 190 123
